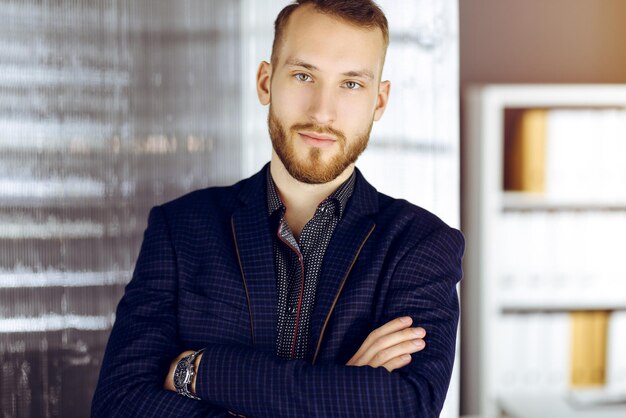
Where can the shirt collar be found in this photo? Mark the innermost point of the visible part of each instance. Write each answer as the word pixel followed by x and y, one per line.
pixel 337 199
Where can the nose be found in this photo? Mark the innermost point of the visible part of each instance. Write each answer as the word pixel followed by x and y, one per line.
pixel 322 108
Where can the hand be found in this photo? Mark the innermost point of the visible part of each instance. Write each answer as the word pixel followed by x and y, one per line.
pixel 390 346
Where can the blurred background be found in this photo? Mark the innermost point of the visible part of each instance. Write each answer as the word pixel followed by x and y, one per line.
pixel 543 143
pixel 108 107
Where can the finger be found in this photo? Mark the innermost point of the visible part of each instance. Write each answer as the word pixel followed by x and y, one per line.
pixel 397 362
pixel 390 340
pixel 390 327
pixel 367 353
pixel 406 347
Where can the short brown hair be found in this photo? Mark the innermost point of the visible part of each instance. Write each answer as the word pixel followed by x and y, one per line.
pixel 363 13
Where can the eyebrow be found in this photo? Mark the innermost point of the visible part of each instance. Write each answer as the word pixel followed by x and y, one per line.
pixel 294 62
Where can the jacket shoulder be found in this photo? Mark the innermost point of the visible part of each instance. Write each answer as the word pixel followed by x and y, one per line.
pixel 410 222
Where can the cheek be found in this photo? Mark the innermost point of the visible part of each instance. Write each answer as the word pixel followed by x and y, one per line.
pixel 290 104
pixel 355 114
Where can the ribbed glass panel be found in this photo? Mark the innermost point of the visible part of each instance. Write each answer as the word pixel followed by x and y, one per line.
pixel 106 109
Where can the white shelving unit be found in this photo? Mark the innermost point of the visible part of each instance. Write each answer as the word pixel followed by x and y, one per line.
pixel 499 313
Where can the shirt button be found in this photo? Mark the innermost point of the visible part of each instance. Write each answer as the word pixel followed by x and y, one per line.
pixel 291 310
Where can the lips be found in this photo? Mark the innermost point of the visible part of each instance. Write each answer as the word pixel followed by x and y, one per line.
pixel 317 137
pixel 316 140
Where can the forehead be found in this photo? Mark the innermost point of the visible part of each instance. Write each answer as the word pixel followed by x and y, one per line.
pixel 329 42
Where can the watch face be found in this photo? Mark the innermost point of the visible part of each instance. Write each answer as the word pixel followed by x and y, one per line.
pixel 181 375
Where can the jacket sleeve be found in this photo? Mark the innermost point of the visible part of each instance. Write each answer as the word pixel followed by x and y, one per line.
pixel 423 285
pixel 144 339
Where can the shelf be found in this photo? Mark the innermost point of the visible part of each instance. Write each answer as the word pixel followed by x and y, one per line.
pixel 531 307
pixel 533 258
pixel 520 201
pixel 554 405
pixel 575 300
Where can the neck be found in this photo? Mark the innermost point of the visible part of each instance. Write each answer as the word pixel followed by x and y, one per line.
pixel 301 199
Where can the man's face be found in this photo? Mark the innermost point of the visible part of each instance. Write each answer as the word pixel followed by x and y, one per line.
pixel 324 94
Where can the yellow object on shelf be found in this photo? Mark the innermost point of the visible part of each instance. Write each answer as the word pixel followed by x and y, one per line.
pixel 525 151
pixel 588 348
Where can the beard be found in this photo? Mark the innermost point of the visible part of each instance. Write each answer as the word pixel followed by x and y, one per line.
pixel 312 169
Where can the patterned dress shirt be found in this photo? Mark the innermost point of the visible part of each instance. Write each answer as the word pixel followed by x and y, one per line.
pixel 298 265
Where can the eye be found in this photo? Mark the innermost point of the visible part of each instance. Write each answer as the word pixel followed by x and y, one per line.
pixel 352 85
pixel 302 77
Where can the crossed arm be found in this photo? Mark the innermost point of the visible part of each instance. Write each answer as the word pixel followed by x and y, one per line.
pixel 241 379
pixel 389 346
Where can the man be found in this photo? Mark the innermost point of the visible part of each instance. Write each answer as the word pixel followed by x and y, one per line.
pixel 301 291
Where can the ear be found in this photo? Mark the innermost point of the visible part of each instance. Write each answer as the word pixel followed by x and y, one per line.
pixel 263 82
pixel 382 99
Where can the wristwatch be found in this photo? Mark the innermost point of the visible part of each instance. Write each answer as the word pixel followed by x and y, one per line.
pixel 183 374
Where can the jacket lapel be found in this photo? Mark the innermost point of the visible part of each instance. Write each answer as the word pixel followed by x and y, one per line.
pixel 343 250
pixel 253 243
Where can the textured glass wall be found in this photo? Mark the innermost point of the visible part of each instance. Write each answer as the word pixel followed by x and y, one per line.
pixel 106 108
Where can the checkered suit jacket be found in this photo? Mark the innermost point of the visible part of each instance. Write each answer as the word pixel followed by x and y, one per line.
pixel 205 278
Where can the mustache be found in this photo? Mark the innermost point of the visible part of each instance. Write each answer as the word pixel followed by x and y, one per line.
pixel 319 129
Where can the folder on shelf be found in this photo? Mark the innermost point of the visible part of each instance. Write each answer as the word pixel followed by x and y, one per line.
pixel 525 150
pixel 616 357
pixel 588 348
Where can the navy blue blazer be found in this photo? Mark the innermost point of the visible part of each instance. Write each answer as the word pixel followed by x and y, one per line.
pixel 205 278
